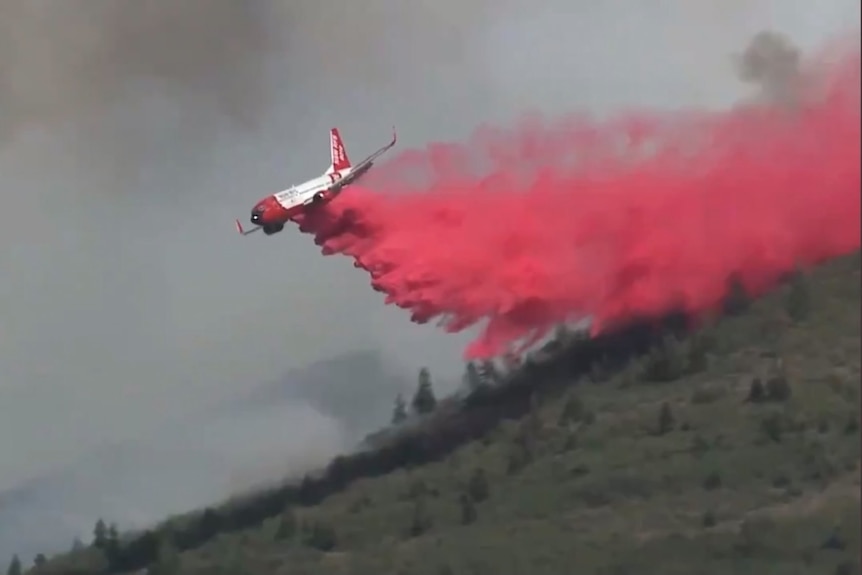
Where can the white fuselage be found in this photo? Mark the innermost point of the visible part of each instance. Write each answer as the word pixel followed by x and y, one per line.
pixel 304 193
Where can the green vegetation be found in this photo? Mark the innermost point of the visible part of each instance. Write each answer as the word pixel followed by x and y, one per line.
pixel 734 448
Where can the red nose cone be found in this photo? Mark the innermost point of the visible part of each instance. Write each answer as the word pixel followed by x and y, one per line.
pixel 269 212
pixel 270 205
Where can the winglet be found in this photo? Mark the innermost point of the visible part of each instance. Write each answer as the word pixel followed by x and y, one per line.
pixel 394 135
pixel 243 232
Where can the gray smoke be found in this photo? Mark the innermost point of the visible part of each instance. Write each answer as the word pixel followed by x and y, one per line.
pixel 61 60
pixel 132 132
pixel 772 62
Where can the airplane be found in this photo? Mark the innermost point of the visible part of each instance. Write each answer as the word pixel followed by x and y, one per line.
pixel 273 212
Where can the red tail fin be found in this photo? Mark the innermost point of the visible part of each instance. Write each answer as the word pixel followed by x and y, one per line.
pixel 338 153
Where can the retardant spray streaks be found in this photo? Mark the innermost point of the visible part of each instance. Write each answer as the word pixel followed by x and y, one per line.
pixel 629 218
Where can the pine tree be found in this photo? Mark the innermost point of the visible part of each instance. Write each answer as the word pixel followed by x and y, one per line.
pixel 399 412
pixel 472 378
pixel 489 373
pixel 478 487
pixel 798 300
pixel 573 410
pixel 421 521
pixel 468 509
pixel 424 401
pixel 14 567
pixel 665 362
pixel 210 523
pixel 287 526
pixel 511 361
pixel 100 534
pixel 665 419
pixel 112 543
pixel 736 300
pixel 320 536
pixel 562 334
pixel 167 561
pixel 756 392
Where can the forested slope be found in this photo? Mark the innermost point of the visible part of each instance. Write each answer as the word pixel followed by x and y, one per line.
pixel 732 448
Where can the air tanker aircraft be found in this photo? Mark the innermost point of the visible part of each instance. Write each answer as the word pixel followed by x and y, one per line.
pixel 271 213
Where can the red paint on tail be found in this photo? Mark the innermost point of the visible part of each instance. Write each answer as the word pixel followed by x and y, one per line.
pixel 337 151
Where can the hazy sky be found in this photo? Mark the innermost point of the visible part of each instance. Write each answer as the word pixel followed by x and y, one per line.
pixel 132 133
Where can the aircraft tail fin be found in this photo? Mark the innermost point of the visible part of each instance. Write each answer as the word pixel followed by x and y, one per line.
pixel 337 152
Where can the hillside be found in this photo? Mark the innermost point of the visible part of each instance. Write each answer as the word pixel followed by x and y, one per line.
pixel 731 449
pixel 191 462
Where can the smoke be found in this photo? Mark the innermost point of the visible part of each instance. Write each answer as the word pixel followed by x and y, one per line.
pixel 75 62
pixel 133 132
pixel 631 218
pixel 59 61
pixel 772 62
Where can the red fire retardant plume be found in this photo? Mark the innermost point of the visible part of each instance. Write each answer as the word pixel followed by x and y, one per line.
pixel 630 218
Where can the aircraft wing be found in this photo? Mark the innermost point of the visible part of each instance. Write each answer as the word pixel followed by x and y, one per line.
pixel 365 164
